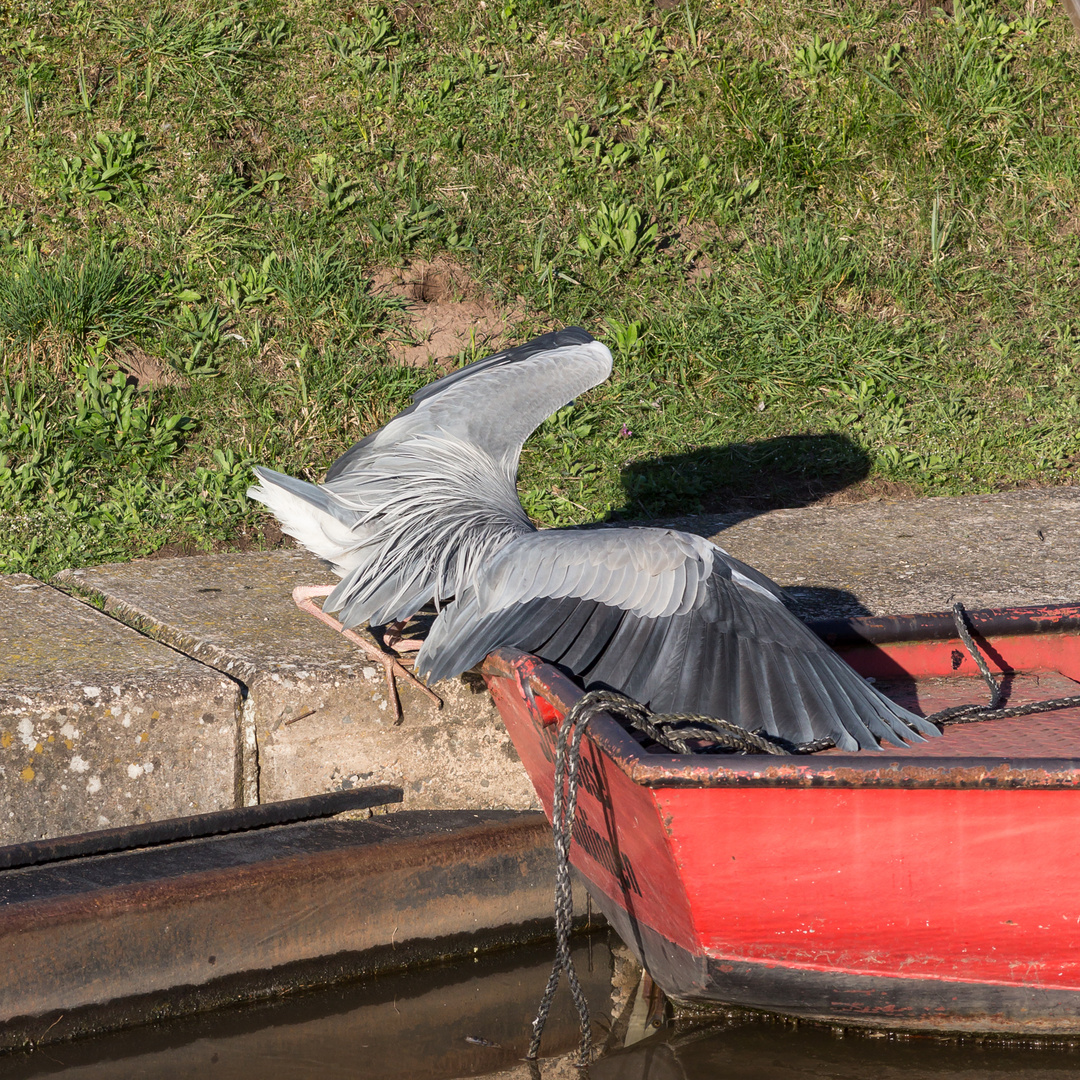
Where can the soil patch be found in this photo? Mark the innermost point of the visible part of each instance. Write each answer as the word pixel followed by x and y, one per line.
pixel 270 539
pixel 146 369
pixel 690 243
pixel 875 490
pixel 781 492
pixel 445 312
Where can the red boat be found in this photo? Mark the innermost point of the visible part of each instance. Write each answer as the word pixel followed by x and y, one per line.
pixel 935 887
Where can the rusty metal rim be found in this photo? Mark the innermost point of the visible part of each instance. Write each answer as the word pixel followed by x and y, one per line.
pixel 941 626
pixel 867 769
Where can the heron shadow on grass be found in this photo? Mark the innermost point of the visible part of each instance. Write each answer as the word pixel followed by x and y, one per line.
pixel 710 489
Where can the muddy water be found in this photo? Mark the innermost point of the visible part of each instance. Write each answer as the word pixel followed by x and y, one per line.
pixel 767 1051
pixel 473 1020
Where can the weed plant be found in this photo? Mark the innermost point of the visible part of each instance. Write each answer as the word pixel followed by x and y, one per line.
pixel 827 246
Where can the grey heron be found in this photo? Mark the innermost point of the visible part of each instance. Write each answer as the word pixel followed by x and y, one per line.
pixel 426 509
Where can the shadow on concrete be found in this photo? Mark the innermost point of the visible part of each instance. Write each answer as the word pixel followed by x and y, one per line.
pixel 742 480
pixel 748 478
pixel 823 603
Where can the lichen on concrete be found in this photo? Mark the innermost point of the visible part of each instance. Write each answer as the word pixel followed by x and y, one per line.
pixel 101 727
pixel 321 716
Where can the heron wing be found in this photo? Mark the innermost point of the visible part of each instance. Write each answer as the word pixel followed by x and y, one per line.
pixel 497 402
pixel 671 620
pixel 409 511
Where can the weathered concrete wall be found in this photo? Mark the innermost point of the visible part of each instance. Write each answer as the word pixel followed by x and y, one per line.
pixel 100 726
pixel 235 612
pixel 454 757
pixel 316 716
pixel 913 555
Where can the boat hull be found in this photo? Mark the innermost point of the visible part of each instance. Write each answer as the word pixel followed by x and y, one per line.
pixel 844 998
pixel 908 890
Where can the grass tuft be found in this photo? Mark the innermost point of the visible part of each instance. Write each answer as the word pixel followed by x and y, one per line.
pixel 51 309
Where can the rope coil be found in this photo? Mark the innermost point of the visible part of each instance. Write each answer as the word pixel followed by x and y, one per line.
pixel 973 714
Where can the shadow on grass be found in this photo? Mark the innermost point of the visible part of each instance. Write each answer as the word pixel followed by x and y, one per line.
pixel 748 478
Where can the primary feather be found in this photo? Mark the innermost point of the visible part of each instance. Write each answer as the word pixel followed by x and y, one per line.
pixel 671 620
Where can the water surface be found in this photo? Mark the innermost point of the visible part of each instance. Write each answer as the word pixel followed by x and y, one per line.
pixel 473 1020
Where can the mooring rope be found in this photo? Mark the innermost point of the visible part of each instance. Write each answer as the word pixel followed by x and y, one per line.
pixel 671 731
pixel 974 714
pixel 564 807
pixel 674 731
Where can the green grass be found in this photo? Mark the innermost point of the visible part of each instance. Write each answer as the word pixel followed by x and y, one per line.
pixel 886 199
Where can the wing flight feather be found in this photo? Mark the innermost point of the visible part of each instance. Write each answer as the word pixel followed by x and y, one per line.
pixel 671 620
pixel 426 507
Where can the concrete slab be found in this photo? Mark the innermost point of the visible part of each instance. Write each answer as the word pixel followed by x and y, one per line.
pixel 914 555
pixel 316 715
pixel 100 726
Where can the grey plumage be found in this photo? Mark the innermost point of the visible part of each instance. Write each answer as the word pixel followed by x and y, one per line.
pixel 426 508
pixel 671 620
pixel 412 511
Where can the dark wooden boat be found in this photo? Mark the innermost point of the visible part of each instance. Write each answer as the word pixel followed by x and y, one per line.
pixel 935 887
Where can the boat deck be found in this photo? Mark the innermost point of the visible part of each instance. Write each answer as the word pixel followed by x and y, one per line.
pixel 1039 735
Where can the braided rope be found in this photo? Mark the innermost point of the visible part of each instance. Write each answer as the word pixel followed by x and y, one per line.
pixel 974 714
pixel 671 731
pixel 563 811
pixel 960 619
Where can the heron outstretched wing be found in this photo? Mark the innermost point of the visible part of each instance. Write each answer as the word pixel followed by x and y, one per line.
pixel 497 402
pixel 670 620
pixel 408 513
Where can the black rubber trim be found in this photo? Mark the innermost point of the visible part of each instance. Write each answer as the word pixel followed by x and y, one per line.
pixel 214 823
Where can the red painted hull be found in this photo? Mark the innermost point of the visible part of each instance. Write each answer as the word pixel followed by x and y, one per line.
pixel 937 887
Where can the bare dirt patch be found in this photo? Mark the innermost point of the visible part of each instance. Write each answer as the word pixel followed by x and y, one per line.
pixel 445 312
pixel 269 538
pixel 147 369
pixel 690 243
pixel 871 490
pixel 780 492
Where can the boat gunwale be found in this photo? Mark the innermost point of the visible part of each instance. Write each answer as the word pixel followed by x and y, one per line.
pixel 867 769
pixel 1040 619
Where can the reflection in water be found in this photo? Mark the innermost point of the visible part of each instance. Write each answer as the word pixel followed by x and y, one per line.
pixel 473 1020
pixel 766 1050
pixel 459 1020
